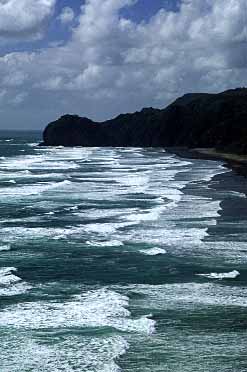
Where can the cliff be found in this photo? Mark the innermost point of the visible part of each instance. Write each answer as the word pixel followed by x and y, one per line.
pixel 194 120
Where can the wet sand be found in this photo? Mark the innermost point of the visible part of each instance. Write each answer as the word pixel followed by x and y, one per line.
pixel 238 163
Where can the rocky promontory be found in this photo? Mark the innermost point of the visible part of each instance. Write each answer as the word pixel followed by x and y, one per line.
pixel 194 120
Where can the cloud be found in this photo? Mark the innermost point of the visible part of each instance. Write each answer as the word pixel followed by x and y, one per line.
pixel 67 15
pixel 113 64
pixel 24 18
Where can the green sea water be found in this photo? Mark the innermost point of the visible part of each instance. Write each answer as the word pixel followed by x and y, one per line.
pixel 119 260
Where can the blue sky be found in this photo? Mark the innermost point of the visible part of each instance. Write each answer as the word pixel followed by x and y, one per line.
pixel 114 56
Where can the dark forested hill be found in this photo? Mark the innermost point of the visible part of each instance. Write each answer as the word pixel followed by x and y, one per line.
pixel 194 120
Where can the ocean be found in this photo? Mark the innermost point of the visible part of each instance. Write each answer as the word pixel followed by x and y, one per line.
pixel 120 259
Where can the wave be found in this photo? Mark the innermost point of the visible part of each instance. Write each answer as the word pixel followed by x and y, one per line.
pixel 4 248
pixel 110 243
pixel 10 283
pixel 230 275
pixel 153 251
pixel 7 277
pixel 106 228
pixel 134 183
pixel 173 197
pixel 32 189
pixel 10 181
pixel 74 208
pixel 26 172
pixel 37 162
pixel 237 194
pixel 98 308
pixel 151 215
pixel 72 353
pixel 188 296
pixel 33 144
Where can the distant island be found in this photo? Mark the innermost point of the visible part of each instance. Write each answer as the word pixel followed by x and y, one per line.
pixel 196 120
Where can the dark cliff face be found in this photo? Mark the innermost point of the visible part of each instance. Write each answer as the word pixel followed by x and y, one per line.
pixel 194 120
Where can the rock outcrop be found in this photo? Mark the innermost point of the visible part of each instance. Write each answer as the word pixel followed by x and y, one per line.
pixel 194 120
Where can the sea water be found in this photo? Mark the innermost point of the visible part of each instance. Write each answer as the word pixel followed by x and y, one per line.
pixel 119 259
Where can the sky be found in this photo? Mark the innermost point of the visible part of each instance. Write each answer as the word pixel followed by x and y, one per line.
pixel 99 58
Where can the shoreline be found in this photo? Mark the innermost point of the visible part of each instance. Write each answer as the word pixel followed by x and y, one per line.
pixel 237 163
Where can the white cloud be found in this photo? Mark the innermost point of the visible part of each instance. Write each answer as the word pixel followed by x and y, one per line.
pixel 24 18
pixel 67 15
pixel 112 64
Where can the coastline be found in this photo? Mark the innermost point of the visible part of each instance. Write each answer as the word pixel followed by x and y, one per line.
pixel 235 162
pixel 232 184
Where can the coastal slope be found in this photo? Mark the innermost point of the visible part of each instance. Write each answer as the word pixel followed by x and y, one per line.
pixel 194 120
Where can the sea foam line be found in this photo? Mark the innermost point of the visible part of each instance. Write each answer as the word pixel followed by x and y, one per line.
pixel 230 275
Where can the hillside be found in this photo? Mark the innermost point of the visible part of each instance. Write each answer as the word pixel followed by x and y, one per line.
pixel 194 120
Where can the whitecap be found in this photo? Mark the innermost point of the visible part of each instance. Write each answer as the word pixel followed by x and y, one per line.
pixel 110 243
pixel 74 208
pixel 32 189
pixel 230 275
pixel 4 248
pixel 7 277
pixel 153 251
pixel 10 181
pixel 33 144
pixel 27 172
pixel 10 283
pixel 237 194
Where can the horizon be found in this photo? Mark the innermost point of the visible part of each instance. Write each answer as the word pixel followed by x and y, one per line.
pixel 99 59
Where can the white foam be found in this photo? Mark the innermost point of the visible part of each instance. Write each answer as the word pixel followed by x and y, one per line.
pixel 107 228
pixel 161 213
pixel 70 353
pixel 230 275
pixel 188 295
pixel 16 234
pixel 74 208
pixel 10 181
pixel 153 251
pixel 37 162
pixel 178 238
pixel 7 277
pixel 33 144
pixel 237 194
pixel 4 248
pixel 32 189
pixel 99 308
pixel 15 289
pixel 151 215
pixel 110 243
pixel 10 283
pixel 101 228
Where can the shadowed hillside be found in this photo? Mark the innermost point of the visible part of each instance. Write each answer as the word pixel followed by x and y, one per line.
pixel 194 120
